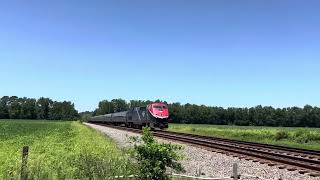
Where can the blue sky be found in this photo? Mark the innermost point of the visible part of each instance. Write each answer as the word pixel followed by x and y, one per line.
pixel 213 52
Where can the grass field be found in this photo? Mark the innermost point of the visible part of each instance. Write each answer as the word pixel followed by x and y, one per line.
pixel 59 150
pixel 307 138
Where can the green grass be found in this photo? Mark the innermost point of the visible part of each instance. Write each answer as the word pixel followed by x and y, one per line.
pixel 59 150
pixel 307 138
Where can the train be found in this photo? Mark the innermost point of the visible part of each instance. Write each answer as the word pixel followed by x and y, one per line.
pixel 154 115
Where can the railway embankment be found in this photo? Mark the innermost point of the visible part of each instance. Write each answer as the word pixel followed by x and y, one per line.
pixel 199 161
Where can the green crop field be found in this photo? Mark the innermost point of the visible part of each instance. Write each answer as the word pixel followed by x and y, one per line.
pixel 59 150
pixel 307 138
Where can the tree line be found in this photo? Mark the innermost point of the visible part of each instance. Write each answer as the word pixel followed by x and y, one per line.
pixel 14 107
pixel 44 108
pixel 308 116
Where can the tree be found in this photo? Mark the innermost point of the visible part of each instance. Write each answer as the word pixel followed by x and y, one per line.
pixel 138 103
pixel 43 106
pixel 63 111
pixel 104 107
pixel 119 105
pixel 4 112
pixel 28 108
pixel 14 107
pixel 85 116
pixel 175 112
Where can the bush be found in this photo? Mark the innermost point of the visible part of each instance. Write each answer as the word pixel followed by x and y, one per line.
pixel 303 136
pixel 300 132
pixel 153 157
pixel 281 135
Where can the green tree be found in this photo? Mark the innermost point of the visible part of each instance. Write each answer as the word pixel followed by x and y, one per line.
pixel 28 108
pixel 85 116
pixel 138 103
pixel 104 107
pixel 175 111
pixel 63 111
pixel 4 112
pixel 119 105
pixel 14 107
pixel 43 106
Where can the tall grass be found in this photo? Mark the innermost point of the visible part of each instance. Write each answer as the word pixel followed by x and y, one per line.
pixel 307 138
pixel 59 150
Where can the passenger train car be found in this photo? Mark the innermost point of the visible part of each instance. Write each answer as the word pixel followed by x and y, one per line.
pixel 154 115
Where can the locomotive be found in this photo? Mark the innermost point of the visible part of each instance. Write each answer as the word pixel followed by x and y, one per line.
pixel 153 115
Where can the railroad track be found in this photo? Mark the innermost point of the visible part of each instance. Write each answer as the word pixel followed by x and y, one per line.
pixel 292 159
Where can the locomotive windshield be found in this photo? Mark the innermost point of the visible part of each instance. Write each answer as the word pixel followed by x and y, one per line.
pixel 160 107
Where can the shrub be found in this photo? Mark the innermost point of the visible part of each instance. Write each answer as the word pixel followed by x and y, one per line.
pixel 300 132
pixel 281 135
pixel 306 137
pixel 153 157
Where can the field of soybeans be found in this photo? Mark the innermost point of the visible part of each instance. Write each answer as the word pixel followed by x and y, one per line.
pixel 59 150
pixel 306 138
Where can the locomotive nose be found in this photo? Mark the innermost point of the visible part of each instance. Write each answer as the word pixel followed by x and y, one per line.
pixel 159 110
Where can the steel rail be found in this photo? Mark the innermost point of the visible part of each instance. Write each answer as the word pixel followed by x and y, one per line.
pixel 304 160
pixel 269 146
pixel 276 157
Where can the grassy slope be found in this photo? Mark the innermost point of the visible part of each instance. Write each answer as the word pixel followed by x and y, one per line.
pixel 308 138
pixel 59 150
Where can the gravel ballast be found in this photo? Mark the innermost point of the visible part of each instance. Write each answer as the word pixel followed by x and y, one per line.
pixel 211 164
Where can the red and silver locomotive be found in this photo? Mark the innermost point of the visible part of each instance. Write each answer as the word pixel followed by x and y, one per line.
pixel 154 115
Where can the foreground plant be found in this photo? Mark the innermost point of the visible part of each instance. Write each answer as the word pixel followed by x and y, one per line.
pixel 154 158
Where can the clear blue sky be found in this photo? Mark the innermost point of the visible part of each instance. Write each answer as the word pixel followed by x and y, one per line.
pixel 213 52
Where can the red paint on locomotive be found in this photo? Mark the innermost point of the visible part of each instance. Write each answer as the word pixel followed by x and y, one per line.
pixel 158 110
